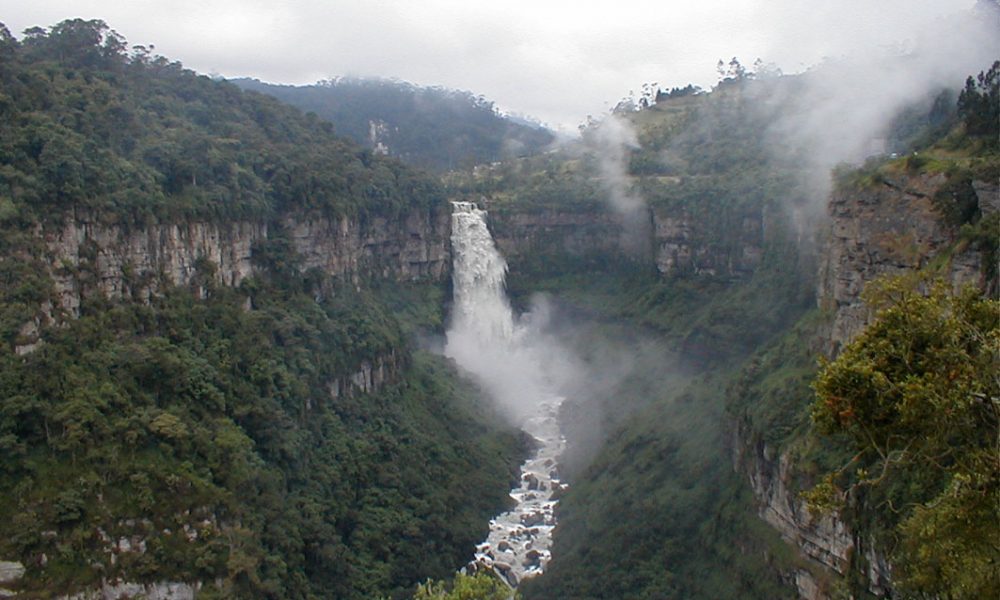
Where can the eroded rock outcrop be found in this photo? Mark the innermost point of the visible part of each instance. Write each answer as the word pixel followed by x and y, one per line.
pixel 148 591
pixel 889 229
pixel 411 247
pixel 371 376
pixel 92 257
pixel 89 256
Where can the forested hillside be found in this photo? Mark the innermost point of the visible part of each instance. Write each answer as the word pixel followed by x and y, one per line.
pixel 430 127
pixel 277 438
pixel 89 124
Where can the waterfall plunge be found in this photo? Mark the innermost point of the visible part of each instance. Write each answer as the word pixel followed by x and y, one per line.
pixel 482 316
pixel 508 357
pixel 516 365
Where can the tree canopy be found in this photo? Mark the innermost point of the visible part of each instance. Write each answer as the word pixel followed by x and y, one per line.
pixel 86 125
pixel 918 393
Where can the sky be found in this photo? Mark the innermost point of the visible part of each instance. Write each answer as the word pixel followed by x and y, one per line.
pixel 553 60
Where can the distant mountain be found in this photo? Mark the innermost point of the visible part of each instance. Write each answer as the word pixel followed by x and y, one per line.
pixel 430 127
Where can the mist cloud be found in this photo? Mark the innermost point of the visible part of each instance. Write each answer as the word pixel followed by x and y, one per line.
pixel 609 144
pixel 841 112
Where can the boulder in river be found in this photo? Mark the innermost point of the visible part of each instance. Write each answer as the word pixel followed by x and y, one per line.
pixel 533 558
pixel 532 519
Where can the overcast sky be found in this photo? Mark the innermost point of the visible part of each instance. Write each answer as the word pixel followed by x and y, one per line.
pixel 554 60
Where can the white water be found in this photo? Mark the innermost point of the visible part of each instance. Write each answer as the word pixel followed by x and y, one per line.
pixel 509 358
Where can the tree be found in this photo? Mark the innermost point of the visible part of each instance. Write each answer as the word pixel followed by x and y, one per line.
pixel 733 71
pixel 480 586
pixel 979 105
pixel 78 43
pixel 918 395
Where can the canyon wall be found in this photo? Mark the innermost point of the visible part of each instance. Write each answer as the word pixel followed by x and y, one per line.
pixel 890 229
pixel 680 243
pixel 89 257
pixel 886 229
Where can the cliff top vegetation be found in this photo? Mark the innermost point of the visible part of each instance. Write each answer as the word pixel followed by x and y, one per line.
pixel 89 124
pixel 428 127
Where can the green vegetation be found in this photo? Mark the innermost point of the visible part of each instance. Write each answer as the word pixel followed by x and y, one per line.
pixel 772 395
pixel 534 184
pixel 86 126
pixel 433 128
pixel 480 586
pixel 210 433
pixel 979 106
pixel 917 396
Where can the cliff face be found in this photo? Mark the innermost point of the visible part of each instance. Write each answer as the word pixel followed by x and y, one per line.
pixel 520 233
pixel 415 246
pixel 885 230
pixel 826 544
pixel 888 230
pixel 89 257
pixel 678 242
pixel 684 243
pixel 824 541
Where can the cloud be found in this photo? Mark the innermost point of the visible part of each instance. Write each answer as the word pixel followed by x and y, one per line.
pixel 558 61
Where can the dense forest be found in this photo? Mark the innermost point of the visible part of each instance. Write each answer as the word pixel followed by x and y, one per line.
pixel 429 127
pixel 89 125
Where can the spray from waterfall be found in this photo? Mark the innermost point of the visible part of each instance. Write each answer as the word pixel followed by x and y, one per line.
pixel 511 357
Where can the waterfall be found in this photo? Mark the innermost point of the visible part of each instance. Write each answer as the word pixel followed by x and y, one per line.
pixel 482 314
pixel 514 363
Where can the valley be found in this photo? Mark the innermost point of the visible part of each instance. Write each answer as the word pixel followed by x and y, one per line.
pixel 245 357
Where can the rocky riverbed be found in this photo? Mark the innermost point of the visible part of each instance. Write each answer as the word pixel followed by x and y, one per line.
pixel 519 540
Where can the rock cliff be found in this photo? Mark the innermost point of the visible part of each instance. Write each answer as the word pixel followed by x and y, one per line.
pixel 680 243
pixel 522 233
pixel 684 243
pixel 890 228
pixel 87 256
pixel 825 542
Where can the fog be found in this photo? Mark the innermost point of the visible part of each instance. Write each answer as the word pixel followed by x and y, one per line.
pixel 608 143
pixel 839 111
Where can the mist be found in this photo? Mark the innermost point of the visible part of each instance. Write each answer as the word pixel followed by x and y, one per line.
pixel 513 357
pixel 839 111
pixel 609 143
